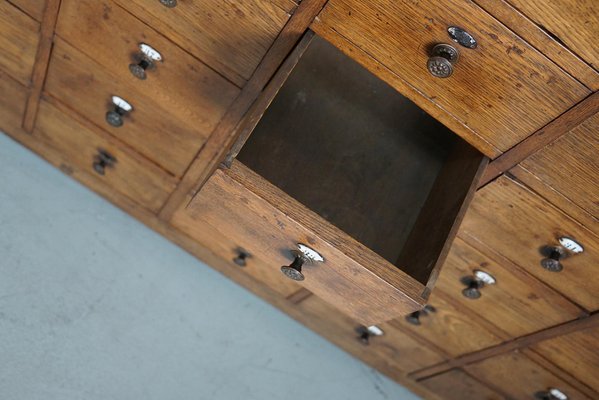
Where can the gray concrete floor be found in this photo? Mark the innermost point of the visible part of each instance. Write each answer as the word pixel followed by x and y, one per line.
pixel 93 305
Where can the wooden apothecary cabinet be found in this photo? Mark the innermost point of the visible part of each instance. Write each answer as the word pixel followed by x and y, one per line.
pixel 348 185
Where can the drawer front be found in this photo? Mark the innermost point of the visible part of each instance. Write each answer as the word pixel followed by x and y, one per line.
pixel 501 91
pixel 458 385
pixel 515 302
pixel 82 147
pixel 33 8
pixel 575 23
pixel 230 36
pixel 109 35
pixel 570 166
pixel 257 216
pixel 150 127
pixel 518 377
pixel 13 99
pixel 577 353
pixel 392 353
pixel 514 222
pixel 454 331
pixel 19 36
pixel 244 257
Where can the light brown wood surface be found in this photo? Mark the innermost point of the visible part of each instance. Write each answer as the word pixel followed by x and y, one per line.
pixel 458 385
pixel 504 90
pixel 576 353
pixel 570 165
pixel 13 98
pixel 269 223
pixel 574 23
pixel 230 36
pixel 451 330
pixel 133 176
pixel 518 377
pixel 33 8
pixel 151 128
pixel 19 36
pixel 543 40
pixel 181 84
pixel 514 222
pixel 224 246
pixel 518 304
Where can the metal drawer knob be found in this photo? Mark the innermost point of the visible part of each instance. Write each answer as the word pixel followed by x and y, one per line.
pixel 115 116
pixel 103 160
pixel 303 255
pixel 554 254
pixel 477 281
pixel 169 3
pixel 551 394
pixel 242 257
pixel 443 57
pixel 145 60
pixel 365 333
pixel 414 318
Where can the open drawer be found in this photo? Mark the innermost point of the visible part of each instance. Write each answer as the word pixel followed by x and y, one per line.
pixel 349 186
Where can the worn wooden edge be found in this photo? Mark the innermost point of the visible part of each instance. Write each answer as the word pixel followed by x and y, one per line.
pixel 383 270
pixel 541 138
pixel 249 122
pixel 225 268
pixel 560 373
pixel 442 213
pixel 542 40
pixel 591 321
pixel 216 147
pixel 42 60
pixel 369 62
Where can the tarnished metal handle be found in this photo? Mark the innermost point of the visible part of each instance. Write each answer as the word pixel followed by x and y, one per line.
pixel 103 160
pixel 169 3
pixel 442 60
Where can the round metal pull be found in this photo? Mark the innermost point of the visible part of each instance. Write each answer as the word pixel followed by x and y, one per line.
pixel 414 318
pixel 103 160
pixel 121 108
pixel 551 394
pixel 474 283
pixel 145 60
pixel 552 261
pixel 242 257
pixel 303 255
pixel 443 57
pixel 169 3
pixel 366 333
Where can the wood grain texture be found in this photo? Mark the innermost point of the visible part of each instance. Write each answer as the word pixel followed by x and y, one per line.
pixel 451 330
pixel 188 89
pixel 42 59
pixel 151 128
pixel 543 40
pixel 518 304
pixel 458 385
pixel 441 215
pixel 519 377
pixel 574 23
pixel 556 198
pixel 223 137
pixel 19 37
pixel 510 219
pixel 230 36
pixel 268 223
pixel 132 175
pixel 570 166
pixel 394 353
pixel 33 8
pixel 212 233
pixel 577 353
pixel 13 99
pixel 543 137
pixel 504 89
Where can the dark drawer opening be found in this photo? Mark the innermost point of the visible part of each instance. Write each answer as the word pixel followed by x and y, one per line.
pixel 352 149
